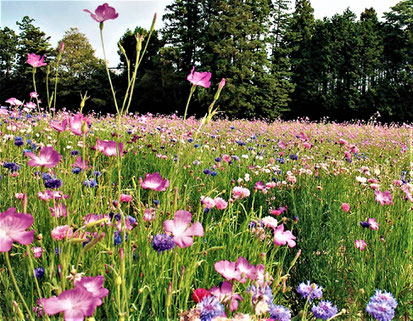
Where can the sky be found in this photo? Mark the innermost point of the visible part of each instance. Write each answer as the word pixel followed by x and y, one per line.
pixel 56 17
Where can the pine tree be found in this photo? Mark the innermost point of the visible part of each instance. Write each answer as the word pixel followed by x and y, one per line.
pixel 8 51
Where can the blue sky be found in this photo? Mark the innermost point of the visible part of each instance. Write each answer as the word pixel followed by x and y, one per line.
pixel 55 17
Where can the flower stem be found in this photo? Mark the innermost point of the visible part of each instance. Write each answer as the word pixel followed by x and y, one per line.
pixel 34 85
pixel 189 99
pixel 15 285
pixel 107 69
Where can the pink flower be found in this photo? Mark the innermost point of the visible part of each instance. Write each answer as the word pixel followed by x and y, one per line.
pixel 373 224
pixel 94 285
pixel 34 94
pixel 225 294
pixel 221 83
pixel 59 210
pixel 155 182
pixel 125 198
pixel 239 192
pixel 282 238
pixel 220 203
pixel 77 122
pixel 360 244
pixel 199 294
pixel 270 222
pixel 178 227
pixel 38 251
pixel 60 127
pixel 149 215
pixel 75 304
pixel 228 270
pixel 384 198
pixel 60 232
pixel 109 148
pixel 48 195
pixel 343 142
pixel 35 60
pixel 48 157
pixel 199 78
pixel 207 202
pixel 259 186
pixel 14 102
pixel 13 228
pixel 345 207
pixel 80 163
pixel 103 12
pixel 247 270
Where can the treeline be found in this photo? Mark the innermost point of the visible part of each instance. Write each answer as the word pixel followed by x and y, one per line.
pixel 277 63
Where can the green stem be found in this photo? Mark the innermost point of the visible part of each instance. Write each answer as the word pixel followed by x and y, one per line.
pixel 107 68
pixel 15 285
pixel 189 99
pixel 34 85
pixel 47 86
pixel 55 87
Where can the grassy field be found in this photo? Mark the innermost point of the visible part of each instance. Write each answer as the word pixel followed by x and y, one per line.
pixel 326 183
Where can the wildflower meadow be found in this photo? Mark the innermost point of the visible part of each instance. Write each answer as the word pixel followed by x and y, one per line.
pixel 162 217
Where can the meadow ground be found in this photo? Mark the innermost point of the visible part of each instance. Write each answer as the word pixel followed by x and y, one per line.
pixel 183 221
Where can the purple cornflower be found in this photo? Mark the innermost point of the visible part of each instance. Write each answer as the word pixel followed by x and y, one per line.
pixel 13 167
pixel 53 183
pixel 210 308
pixel 381 306
pixel 312 291
pixel 163 242
pixel 18 141
pixel 324 310
pixel 279 313
pixel 39 272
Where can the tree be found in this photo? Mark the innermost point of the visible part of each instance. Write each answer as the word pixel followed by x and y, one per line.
pixel 78 56
pixel 8 50
pixel 298 39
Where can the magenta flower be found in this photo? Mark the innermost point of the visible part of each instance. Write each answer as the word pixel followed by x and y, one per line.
pixel 82 164
pixel 384 198
pixel 228 270
pixel 345 207
pixel 76 122
pixel 109 148
pixel 373 224
pixel 103 12
pixel 59 210
pixel 94 285
pixel 360 244
pixel 13 228
pixel 48 157
pixel 246 269
pixel 35 60
pixel 199 78
pixel 220 203
pixel 34 94
pixel 282 238
pixel 225 294
pixel 239 192
pixel 75 304
pixel 60 127
pixel 178 227
pixel 221 83
pixel 125 198
pixel 155 182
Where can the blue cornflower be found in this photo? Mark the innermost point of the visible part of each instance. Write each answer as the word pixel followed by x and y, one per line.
pixel 214 173
pixel 117 238
pixel 76 170
pixel 163 242
pixel 39 272
pixel 74 153
pixel 131 219
pixel 207 171
pixel 218 159
pixel 53 183
pixel 156 202
pixel 279 313
pixel 210 308
pixel 206 210
pixel 96 173
pixel 196 145
pixel 18 141
pixel 381 306
pixel 313 291
pixel 90 183
pixel 293 157
pixel 190 140
pixel 364 224
pixel 46 176
pixel 324 310
pixel 13 167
